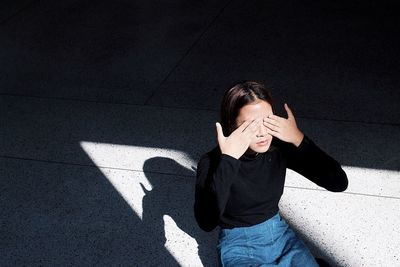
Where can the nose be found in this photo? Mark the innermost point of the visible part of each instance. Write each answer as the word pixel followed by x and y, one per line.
pixel 261 131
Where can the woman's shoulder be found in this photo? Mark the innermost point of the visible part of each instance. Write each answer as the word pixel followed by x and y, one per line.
pixel 210 159
pixel 282 146
pixel 277 145
pixel 212 155
pixel 280 149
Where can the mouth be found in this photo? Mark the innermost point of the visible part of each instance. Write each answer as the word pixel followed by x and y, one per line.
pixel 263 142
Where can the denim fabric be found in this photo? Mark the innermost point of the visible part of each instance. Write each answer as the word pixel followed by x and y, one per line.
pixel 271 243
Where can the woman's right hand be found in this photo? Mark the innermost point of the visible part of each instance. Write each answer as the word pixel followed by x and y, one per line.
pixel 236 144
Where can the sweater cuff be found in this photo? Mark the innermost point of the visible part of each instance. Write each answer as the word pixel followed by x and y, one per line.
pixel 305 144
pixel 230 159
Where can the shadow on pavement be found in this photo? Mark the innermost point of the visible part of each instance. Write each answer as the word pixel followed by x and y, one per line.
pixel 74 57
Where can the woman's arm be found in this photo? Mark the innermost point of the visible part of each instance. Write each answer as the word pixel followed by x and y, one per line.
pixel 216 172
pixel 303 156
pixel 313 163
pixel 215 175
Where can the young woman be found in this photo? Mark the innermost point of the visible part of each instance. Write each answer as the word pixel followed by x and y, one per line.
pixel 240 182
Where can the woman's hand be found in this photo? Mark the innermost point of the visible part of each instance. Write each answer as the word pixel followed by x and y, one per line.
pixel 236 144
pixel 284 129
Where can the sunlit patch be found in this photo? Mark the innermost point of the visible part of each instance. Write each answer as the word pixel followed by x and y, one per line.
pixel 334 222
pixel 379 183
pixel 117 162
pixel 183 247
pixel 123 167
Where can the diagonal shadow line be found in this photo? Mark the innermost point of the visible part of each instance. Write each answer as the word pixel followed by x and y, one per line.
pixel 27 6
pixel 186 108
pixel 180 175
pixel 188 51
pixel 72 216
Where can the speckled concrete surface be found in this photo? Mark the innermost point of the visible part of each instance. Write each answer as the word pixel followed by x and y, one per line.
pixel 150 179
pixel 63 214
pixel 110 51
pixel 348 229
pixel 318 55
pixel 106 107
pixel 58 127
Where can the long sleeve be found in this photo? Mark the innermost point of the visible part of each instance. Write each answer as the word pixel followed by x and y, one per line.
pixel 215 175
pixel 313 163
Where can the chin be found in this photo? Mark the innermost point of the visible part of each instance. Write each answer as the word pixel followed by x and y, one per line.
pixel 260 149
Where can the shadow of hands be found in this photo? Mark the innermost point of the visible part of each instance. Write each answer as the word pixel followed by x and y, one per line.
pixel 168 211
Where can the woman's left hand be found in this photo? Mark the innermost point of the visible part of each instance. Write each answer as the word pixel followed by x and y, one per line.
pixel 284 129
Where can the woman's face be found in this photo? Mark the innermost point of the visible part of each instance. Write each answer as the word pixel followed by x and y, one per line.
pixel 258 109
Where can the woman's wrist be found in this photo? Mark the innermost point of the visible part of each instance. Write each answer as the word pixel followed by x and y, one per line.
pixel 231 154
pixel 298 139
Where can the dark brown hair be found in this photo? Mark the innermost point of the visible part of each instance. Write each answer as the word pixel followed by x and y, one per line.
pixel 237 97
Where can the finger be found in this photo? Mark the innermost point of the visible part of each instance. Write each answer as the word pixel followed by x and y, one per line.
pixel 272 127
pixel 275 117
pixel 273 133
pixel 289 112
pixel 271 121
pixel 244 125
pixel 220 133
pixel 253 127
pixel 251 130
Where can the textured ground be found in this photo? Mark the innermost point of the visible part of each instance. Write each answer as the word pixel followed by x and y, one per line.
pixel 106 106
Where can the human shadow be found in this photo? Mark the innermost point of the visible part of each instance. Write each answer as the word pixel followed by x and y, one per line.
pixel 60 210
pixel 62 215
pixel 173 195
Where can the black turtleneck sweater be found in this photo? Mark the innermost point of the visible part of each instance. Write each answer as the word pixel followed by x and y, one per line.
pixel 246 191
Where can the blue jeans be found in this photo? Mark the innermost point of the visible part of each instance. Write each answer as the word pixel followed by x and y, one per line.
pixel 271 243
